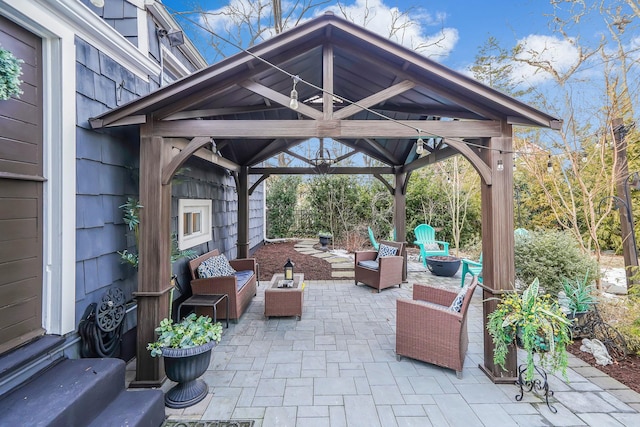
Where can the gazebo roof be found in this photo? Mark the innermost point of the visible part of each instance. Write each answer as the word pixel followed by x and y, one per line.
pixel 384 93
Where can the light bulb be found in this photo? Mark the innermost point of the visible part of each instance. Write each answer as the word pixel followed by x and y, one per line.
pixel 293 104
pixel 500 165
pixel 549 166
pixel 97 3
pixel 419 146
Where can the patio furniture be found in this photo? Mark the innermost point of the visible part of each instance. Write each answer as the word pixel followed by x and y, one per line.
pixel 206 301
pixel 426 241
pixel 474 268
pixel 372 238
pixel 284 301
pixel 379 270
pixel 240 286
pixel 430 329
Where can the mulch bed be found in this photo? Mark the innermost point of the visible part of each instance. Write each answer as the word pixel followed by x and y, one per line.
pixel 271 258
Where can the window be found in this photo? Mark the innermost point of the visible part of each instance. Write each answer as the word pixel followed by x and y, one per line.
pixel 194 222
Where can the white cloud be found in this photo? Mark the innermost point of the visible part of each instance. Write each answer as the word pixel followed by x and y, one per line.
pixel 414 28
pixel 555 53
pixel 408 28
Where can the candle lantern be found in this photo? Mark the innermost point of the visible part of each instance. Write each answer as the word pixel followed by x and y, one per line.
pixel 288 270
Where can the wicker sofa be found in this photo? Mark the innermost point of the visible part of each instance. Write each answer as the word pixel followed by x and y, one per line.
pixel 427 329
pixel 241 287
pixel 384 273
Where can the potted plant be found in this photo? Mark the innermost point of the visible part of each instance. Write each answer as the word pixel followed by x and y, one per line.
pixel 10 72
pixel 186 348
pixel 535 323
pixel 576 299
pixel 325 238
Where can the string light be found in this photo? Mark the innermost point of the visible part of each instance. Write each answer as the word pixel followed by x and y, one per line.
pixel 97 3
pixel 419 144
pixel 293 104
pixel 549 165
pixel 500 165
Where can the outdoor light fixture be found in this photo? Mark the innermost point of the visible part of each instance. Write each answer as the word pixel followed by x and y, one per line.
pixel 97 3
pixel 175 37
pixel 288 270
pixel 293 104
pixel 500 165
pixel 549 165
pixel 584 157
pixel 419 145
pixel 323 160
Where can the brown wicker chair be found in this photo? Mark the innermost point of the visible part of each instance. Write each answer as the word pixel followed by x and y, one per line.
pixel 427 330
pixel 239 299
pixel 389 269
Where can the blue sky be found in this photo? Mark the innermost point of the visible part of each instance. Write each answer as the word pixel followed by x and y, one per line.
pixel 449 32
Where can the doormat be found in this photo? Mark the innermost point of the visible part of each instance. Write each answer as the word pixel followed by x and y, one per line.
pixel 207 423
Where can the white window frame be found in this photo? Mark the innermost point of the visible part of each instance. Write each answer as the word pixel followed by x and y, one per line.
pixel 203 206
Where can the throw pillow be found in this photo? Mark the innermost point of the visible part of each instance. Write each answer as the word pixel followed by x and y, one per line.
pixel 215 266
pixel 222 266
pixel 385 250
pixel 206 269
pixel 456 305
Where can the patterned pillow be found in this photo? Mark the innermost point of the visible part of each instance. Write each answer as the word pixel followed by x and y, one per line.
pixel 456 305
pixel 385 250
pixel 215 266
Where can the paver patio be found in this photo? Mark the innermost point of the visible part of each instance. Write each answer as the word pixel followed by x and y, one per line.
pixel 337 367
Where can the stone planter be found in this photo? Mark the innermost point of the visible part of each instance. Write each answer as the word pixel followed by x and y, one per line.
pixel 441 265
pixel 185 366
pixel 324 240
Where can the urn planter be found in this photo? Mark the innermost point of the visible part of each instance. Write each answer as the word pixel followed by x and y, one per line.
pixel 185 366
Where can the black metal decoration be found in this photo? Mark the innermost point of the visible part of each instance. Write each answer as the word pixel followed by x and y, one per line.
pixel 536 385
pixel 101 326
pixel 288 269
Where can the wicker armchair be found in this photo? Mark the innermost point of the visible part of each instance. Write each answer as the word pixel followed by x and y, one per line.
pixel 383 274
pixel 427 330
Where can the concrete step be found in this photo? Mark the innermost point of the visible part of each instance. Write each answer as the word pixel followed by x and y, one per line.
pixel 70 393
pixel 133 408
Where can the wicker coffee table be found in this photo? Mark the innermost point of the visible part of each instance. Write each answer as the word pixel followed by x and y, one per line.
pixel 284 301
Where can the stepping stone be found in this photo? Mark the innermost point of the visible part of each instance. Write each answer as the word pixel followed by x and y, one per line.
pixel 335 260
pixel 323 255
pixel 342 266
pixel 343 274
pixel 307 251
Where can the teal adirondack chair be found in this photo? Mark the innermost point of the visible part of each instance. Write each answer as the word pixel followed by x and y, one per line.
pixel 474 268
pixel 426 241
pixel 374 243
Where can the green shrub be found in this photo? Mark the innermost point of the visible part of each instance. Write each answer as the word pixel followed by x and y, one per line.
pixel 551 256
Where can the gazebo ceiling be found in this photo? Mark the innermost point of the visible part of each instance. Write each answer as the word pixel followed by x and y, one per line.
pixel 251 89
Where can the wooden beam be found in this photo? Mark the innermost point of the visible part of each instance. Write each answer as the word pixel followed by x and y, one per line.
pixel 480 166
pixel 258 182
pixel 215 112
pixel 272 149
pixel 374 99
pixel 327 81
pixel 384 182
pixel 129 120
pixel 355 146
pixel 243 212
pixel 281 99
pixel 304 129
pixel 178 160
pixel 338 170
pixel 381 149
pixel 207 155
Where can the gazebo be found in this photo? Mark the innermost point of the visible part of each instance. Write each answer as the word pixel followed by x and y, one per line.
pixel 353 86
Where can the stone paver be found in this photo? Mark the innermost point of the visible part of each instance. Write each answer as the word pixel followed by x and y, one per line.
pixel 337 367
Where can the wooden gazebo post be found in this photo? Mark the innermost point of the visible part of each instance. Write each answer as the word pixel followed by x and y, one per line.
pixel 498 267
pixel 400 213
pixel 154 256
pixel 243 212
